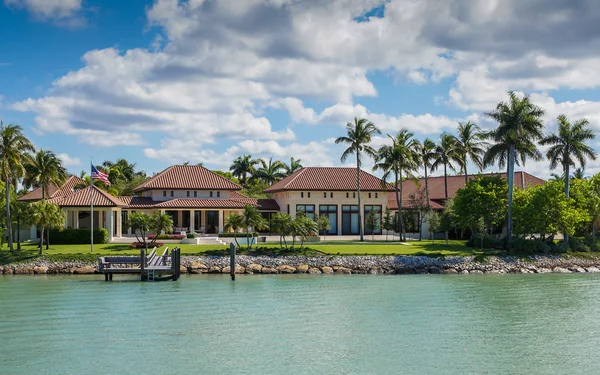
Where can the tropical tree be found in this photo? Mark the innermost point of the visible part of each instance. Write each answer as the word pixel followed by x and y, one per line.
pixel 234 223
pixel 372 223
pixel 519 127
pixel 426 153
pixel 568 147
pixel 270 172
pixel 281 223
pixel 358 136
pixel 446 155
pixel 43 169
pixel 140 223
pixel 579 174
pixel 243 168
pixel 470 145
pixel 324 225
pixel 388 222
pixel 21 213
pixel 292 167
pixel 252 218
pixel 399 158
pixel 46 215
pixel 305 226
pixel 15 153
pixel 159 223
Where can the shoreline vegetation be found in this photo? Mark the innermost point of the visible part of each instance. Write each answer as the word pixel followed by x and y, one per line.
pixel 329 258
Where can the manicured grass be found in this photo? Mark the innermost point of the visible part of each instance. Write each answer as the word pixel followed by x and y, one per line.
pixel 428 248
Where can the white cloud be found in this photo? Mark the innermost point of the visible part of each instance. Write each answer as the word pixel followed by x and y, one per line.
pixel 69 161
pixel 63 12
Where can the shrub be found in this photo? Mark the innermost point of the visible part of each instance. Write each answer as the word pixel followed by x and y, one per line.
pixel 191 235
pixel 593 244
pixel 70 236
pixel 167 237
pixel 577 245
pixel 240 235
pixel 488 242
pixel 141 245
pixel 523 246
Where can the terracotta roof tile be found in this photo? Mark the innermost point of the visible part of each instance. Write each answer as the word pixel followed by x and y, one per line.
pixel 436 187
pixel 137 202
pixel 265 204
pixel 81 198
pixel 200 203
pixel 53 190
pixel 193 177
pixel 328 179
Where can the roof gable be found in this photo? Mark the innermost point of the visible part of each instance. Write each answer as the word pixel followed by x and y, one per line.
pixel 53 190
pixel 193 177
pixel 328 179
pixel 81 198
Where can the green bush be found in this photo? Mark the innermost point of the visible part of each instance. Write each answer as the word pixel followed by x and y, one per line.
pixel 191 235
pixel 593 244
pixel 70 236
pixel 523 246
pixel 252 234
pixel 577 245
pixel 488 242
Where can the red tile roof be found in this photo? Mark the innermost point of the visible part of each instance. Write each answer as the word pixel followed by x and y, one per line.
pixel 81 198
pixel 235 201
pixel 262 204
pixel 201 203
pixel 134 202
pixel 328 179
pixel 53 190
pixel 437 194
pixel 193 177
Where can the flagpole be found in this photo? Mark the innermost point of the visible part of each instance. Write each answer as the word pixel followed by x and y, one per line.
pixel 91 211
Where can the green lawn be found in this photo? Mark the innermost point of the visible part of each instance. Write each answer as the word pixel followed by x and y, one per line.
pixel 429 248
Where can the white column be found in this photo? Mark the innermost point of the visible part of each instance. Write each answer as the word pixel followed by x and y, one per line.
pixel 192 224
pixel 221 220
pixel 119 223
pixel 109 224
pixel 76 221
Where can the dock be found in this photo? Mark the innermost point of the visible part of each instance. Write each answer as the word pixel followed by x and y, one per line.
pixel 151 267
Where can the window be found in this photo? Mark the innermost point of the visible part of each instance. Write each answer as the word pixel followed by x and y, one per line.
pixel 369 195
pixel 307 209
pixel 375 195
pixel 347 195
pixel 377 212
pixel 330 195
pixel 218 194
pixel 324 194
pixel 353 195
pixel 211 194
pixel 301 194
pixel 288 209
pixel 309 194
pixel 188 193
pixel 171 193
pixel 164 193
pixel 195 194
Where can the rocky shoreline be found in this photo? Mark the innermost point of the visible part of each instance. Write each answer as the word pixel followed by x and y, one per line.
pixel 373 265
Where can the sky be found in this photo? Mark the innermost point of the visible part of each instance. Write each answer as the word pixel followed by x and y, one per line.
pixel 162 82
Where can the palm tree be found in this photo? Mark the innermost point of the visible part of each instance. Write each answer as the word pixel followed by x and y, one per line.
pixel 579 174
pixel 160 223
pixel 498 152
pixel 519 126
pixel 242 167
pixel 15 151
pixel 292 167
pixel 46 215
pixel 399 158
pixel 43 170
pixel 568 147
pixel 358 136
pixel 269 173
pixel 253 218
pixel 446 155
pixel 235 222
pixel 470 145
pixel 426 153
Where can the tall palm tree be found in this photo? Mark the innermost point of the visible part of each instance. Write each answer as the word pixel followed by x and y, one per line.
pixel 426 153
pixel 579 174
pixel 568 147
pixel 358 136
pixel 470 145
pixel 519 125
pixel 446 155
pixel 270 172
pixel 293 166
pixel 242 167
pixel 43 170
pixel 498 152
pixel 400 158
pixel 15 152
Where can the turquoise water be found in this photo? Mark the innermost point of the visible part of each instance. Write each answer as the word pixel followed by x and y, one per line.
pixel 419 324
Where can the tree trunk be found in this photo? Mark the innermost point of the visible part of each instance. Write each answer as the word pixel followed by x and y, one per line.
pixel 41 241
pixel 446 233
pixel 466 174
pixel 445 182
pixel 399 200
pixel 8 223
pixel 248 238
pixel 360 227
pixel 567 194
pixel 18 233
pixel 47 238
pixel 511 185
pixel 427 198
pixel 235 238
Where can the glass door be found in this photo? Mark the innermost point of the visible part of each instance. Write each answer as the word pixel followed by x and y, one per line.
pixel 350 219
pixel 331 212
pixel 212 221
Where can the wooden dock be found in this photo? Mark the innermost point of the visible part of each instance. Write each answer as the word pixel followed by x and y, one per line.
pixel 150 267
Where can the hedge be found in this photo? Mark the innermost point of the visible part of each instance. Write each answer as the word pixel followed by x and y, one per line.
pixel 239 234
pixel 167 237
pixel 80 236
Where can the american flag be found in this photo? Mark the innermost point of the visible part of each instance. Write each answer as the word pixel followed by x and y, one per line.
pixel 99 175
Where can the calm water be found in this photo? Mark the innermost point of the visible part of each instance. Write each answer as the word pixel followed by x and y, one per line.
pixel 420 324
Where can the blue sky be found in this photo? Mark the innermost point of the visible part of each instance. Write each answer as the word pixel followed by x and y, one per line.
pixel 165 81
